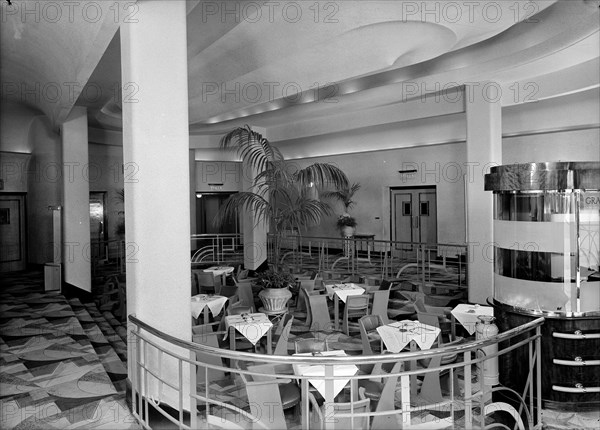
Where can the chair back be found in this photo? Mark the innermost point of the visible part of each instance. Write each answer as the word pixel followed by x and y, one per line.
pixel 386 285
pixel 329 413
pixel 281 346
pixel 386 401
pixel 319 313
pixel 263 392
pixel 356 306
pixel 359 302
pixel 367 325
pixel 311 345
pixel 229 290
pixel 204 335
pixel 246 295
pixel 238 309
pixel 381 300
pixel 207 282
pixel 307 284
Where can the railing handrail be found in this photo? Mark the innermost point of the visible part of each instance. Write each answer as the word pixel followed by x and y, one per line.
pixel 194 236
pixel 362 359
pixel 340 239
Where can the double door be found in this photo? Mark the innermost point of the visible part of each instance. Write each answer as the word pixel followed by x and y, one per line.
pixel 414 214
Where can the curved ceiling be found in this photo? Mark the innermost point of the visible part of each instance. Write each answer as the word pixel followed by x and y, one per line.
pixel 269 65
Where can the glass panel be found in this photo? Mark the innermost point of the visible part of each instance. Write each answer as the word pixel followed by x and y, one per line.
pixel 406 209
pixel 424 209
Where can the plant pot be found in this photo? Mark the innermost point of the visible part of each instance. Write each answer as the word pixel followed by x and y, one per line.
pixel 275 299
pixel 348 231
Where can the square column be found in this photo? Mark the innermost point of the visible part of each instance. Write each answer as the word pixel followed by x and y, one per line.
pixel 157 183
pixel 484 149
pixel 76 200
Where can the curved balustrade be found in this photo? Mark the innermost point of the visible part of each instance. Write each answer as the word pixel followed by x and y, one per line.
pixel 216 248
pixel 231 388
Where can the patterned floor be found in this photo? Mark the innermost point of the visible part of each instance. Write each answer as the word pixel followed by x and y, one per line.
pixel 61 363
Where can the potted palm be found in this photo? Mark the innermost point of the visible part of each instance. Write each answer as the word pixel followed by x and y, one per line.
pixel 286 199
pixel 345 223
pixel 275 291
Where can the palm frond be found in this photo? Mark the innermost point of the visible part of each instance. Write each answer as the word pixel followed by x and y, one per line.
pixel 344 195
pixel 296 211
pixel 321 175
pixel 243 201
pixel 251 147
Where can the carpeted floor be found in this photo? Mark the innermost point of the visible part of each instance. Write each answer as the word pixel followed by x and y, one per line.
pixel 61 362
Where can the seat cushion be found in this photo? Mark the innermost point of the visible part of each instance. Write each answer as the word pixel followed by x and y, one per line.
pixel 290 395
pixel 372 389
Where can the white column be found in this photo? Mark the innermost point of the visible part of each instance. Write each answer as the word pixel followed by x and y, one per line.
pixel 156 171
pixel 255 233
pixel 76 200
pixel 484 149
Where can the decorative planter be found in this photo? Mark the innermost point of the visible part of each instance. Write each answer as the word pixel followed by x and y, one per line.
pixel 275 299
pixel 348 231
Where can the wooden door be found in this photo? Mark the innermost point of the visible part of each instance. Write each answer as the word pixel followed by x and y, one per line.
pixel 414 214
pixel 13 239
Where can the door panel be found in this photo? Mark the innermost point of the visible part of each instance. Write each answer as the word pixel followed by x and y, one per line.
pixel 414 215
pixel 403 209
pixel 12 233
pixel 207 206
pixel 427 217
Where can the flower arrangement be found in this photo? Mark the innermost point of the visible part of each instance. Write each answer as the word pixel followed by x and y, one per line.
pixel 275 279
pixel 345 220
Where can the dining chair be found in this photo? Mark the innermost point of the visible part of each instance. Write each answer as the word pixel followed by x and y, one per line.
pixel 329 413
pixel 229 291
pixel 355 307
pixel 282 335
pixel 207 283
pixel 381 301
pixel 204 335
pixel 319 313
pixel 353 278
pixel 368 334
pixel 307 286
pixel 436 317
pixel 288 390
pixel 381 392
pixel 312 344
pixel 265 398
pixel 245 294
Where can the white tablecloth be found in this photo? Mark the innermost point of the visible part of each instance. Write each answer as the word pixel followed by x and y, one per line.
pixel 251 326
pixel 344 290
pixel 468 315
pixel 319 370
pixel 397 335
pixel 214 302
pixel 220 270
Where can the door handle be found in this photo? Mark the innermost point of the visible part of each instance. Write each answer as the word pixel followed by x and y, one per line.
pixel 415 221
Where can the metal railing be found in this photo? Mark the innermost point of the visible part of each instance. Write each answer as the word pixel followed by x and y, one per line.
pixel 439 266
pixel 107 255
pixel 216 248
pixel 160 363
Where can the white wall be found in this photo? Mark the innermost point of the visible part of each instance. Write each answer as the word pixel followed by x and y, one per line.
pixel 44 190
pixel 28 132
pixel 575 145
pixel 377 171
